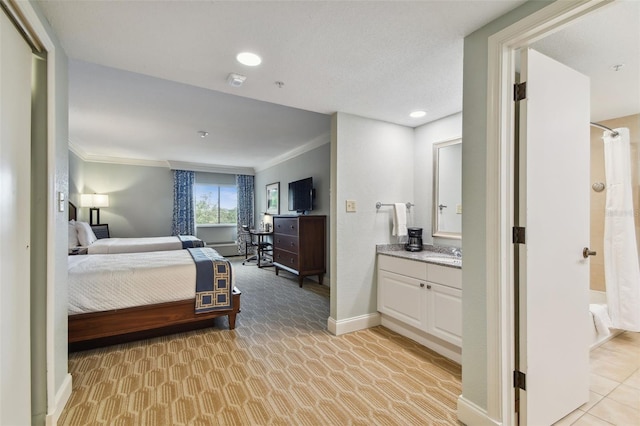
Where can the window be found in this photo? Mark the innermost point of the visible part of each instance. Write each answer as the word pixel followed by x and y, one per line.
pixel 216 204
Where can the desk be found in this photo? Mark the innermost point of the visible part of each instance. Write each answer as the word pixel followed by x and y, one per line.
pixel 261 243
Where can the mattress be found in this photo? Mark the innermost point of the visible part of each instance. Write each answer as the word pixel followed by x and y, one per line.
pixel 124 280
pixel 136 245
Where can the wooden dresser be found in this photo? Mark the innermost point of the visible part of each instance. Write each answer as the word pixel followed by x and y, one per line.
pixel 299 245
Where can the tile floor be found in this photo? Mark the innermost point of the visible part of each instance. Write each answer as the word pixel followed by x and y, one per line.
pixel 615 385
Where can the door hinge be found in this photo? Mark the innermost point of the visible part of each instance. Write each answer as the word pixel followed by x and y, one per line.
pixel 519 380
pixel 518 235
pixel 519 91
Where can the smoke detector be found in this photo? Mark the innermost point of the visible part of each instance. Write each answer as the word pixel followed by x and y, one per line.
pixel 235 80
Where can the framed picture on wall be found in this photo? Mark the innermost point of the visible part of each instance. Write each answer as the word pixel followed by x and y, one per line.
pixel 273 198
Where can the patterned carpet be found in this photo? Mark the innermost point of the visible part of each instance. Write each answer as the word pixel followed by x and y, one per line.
pixel 278 367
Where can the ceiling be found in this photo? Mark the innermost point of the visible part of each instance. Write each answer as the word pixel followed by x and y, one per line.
pixel 146 76
pixel 593 46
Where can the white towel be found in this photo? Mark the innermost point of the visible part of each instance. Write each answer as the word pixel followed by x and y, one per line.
pixel 601 319
pixel 399 220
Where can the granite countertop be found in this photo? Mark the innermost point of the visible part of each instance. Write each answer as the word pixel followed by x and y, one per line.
pixel 438 255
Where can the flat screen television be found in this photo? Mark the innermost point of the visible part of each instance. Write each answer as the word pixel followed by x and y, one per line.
pixel 301 195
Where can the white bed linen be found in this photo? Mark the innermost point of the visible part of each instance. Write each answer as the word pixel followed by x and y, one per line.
pixel 137 245
pixel 117 281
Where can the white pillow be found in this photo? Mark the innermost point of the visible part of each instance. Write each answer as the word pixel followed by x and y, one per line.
pixel 85 234
pixel 73 234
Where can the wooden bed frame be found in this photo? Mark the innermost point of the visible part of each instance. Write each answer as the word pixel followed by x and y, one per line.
pixel 98 329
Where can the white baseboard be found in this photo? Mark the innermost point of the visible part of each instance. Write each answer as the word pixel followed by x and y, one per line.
pixel 446 349
pixel 353 324
pixel 472 415
pixel 62 396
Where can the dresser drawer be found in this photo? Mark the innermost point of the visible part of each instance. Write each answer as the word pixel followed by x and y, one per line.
pixel 286 242
pixel 286 258
pixel 285 225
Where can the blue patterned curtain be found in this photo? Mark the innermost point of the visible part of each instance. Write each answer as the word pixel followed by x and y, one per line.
pixel 246 191
pixel 184 218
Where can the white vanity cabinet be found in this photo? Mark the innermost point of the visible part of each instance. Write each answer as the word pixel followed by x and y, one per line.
pixel 425 297
pixel 402 297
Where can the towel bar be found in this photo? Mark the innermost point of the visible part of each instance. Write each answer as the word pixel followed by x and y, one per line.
pixel 379 204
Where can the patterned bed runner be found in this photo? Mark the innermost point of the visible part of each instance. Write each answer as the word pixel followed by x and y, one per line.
pixel 189 241
pixel 213 280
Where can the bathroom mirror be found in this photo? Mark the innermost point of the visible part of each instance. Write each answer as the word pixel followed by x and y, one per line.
pixel 447 189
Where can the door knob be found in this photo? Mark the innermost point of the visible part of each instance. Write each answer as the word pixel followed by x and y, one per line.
pixel 586 252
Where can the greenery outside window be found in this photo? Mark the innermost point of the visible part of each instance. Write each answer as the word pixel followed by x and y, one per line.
pixel 216 204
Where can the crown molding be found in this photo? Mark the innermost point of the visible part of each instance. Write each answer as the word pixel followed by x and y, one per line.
pixel 79 152
pixel 211 168
pixel 323 139
pixel 89 158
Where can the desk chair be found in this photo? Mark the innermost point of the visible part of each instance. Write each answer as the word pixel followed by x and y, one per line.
pixel 246 237
pixel 260 247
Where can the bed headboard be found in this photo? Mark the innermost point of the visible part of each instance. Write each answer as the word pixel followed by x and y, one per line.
pixel 73 213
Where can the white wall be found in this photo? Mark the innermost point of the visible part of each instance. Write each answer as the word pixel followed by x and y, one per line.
pixel 425 136
pixel 371 161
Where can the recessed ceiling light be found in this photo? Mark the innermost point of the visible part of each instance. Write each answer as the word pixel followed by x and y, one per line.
pixel 417 114
pixel 249 59
pixel 203 133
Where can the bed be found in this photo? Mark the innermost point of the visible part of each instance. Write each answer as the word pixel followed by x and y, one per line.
pixel 85 237
pixel 115 298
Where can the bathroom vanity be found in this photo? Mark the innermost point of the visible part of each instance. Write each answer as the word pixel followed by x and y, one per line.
pixel 420 296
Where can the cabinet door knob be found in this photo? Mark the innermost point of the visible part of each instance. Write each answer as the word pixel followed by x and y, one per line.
pixel 422 285
pixel 429 287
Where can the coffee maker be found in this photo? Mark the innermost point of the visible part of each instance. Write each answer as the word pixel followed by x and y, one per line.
pixel 415 240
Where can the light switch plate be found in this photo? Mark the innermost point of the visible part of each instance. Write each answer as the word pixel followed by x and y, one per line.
pixel 351 206
pixel 61 198
pixel 459 208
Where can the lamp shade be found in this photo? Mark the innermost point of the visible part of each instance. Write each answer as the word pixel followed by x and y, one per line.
pixel 94 200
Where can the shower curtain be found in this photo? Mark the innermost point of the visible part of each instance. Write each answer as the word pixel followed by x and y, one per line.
pixel 621 266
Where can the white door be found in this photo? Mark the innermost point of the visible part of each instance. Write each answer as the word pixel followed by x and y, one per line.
pixel 15 194
pixel 554 209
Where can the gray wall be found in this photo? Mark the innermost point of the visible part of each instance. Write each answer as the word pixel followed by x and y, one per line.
pixel 371 161
pixel 377 161
pixel 39 219
pixel 50 135
pixel 76 179
pixel 425 136
pixel 315 164
pixel 474 175
pixel 140 197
